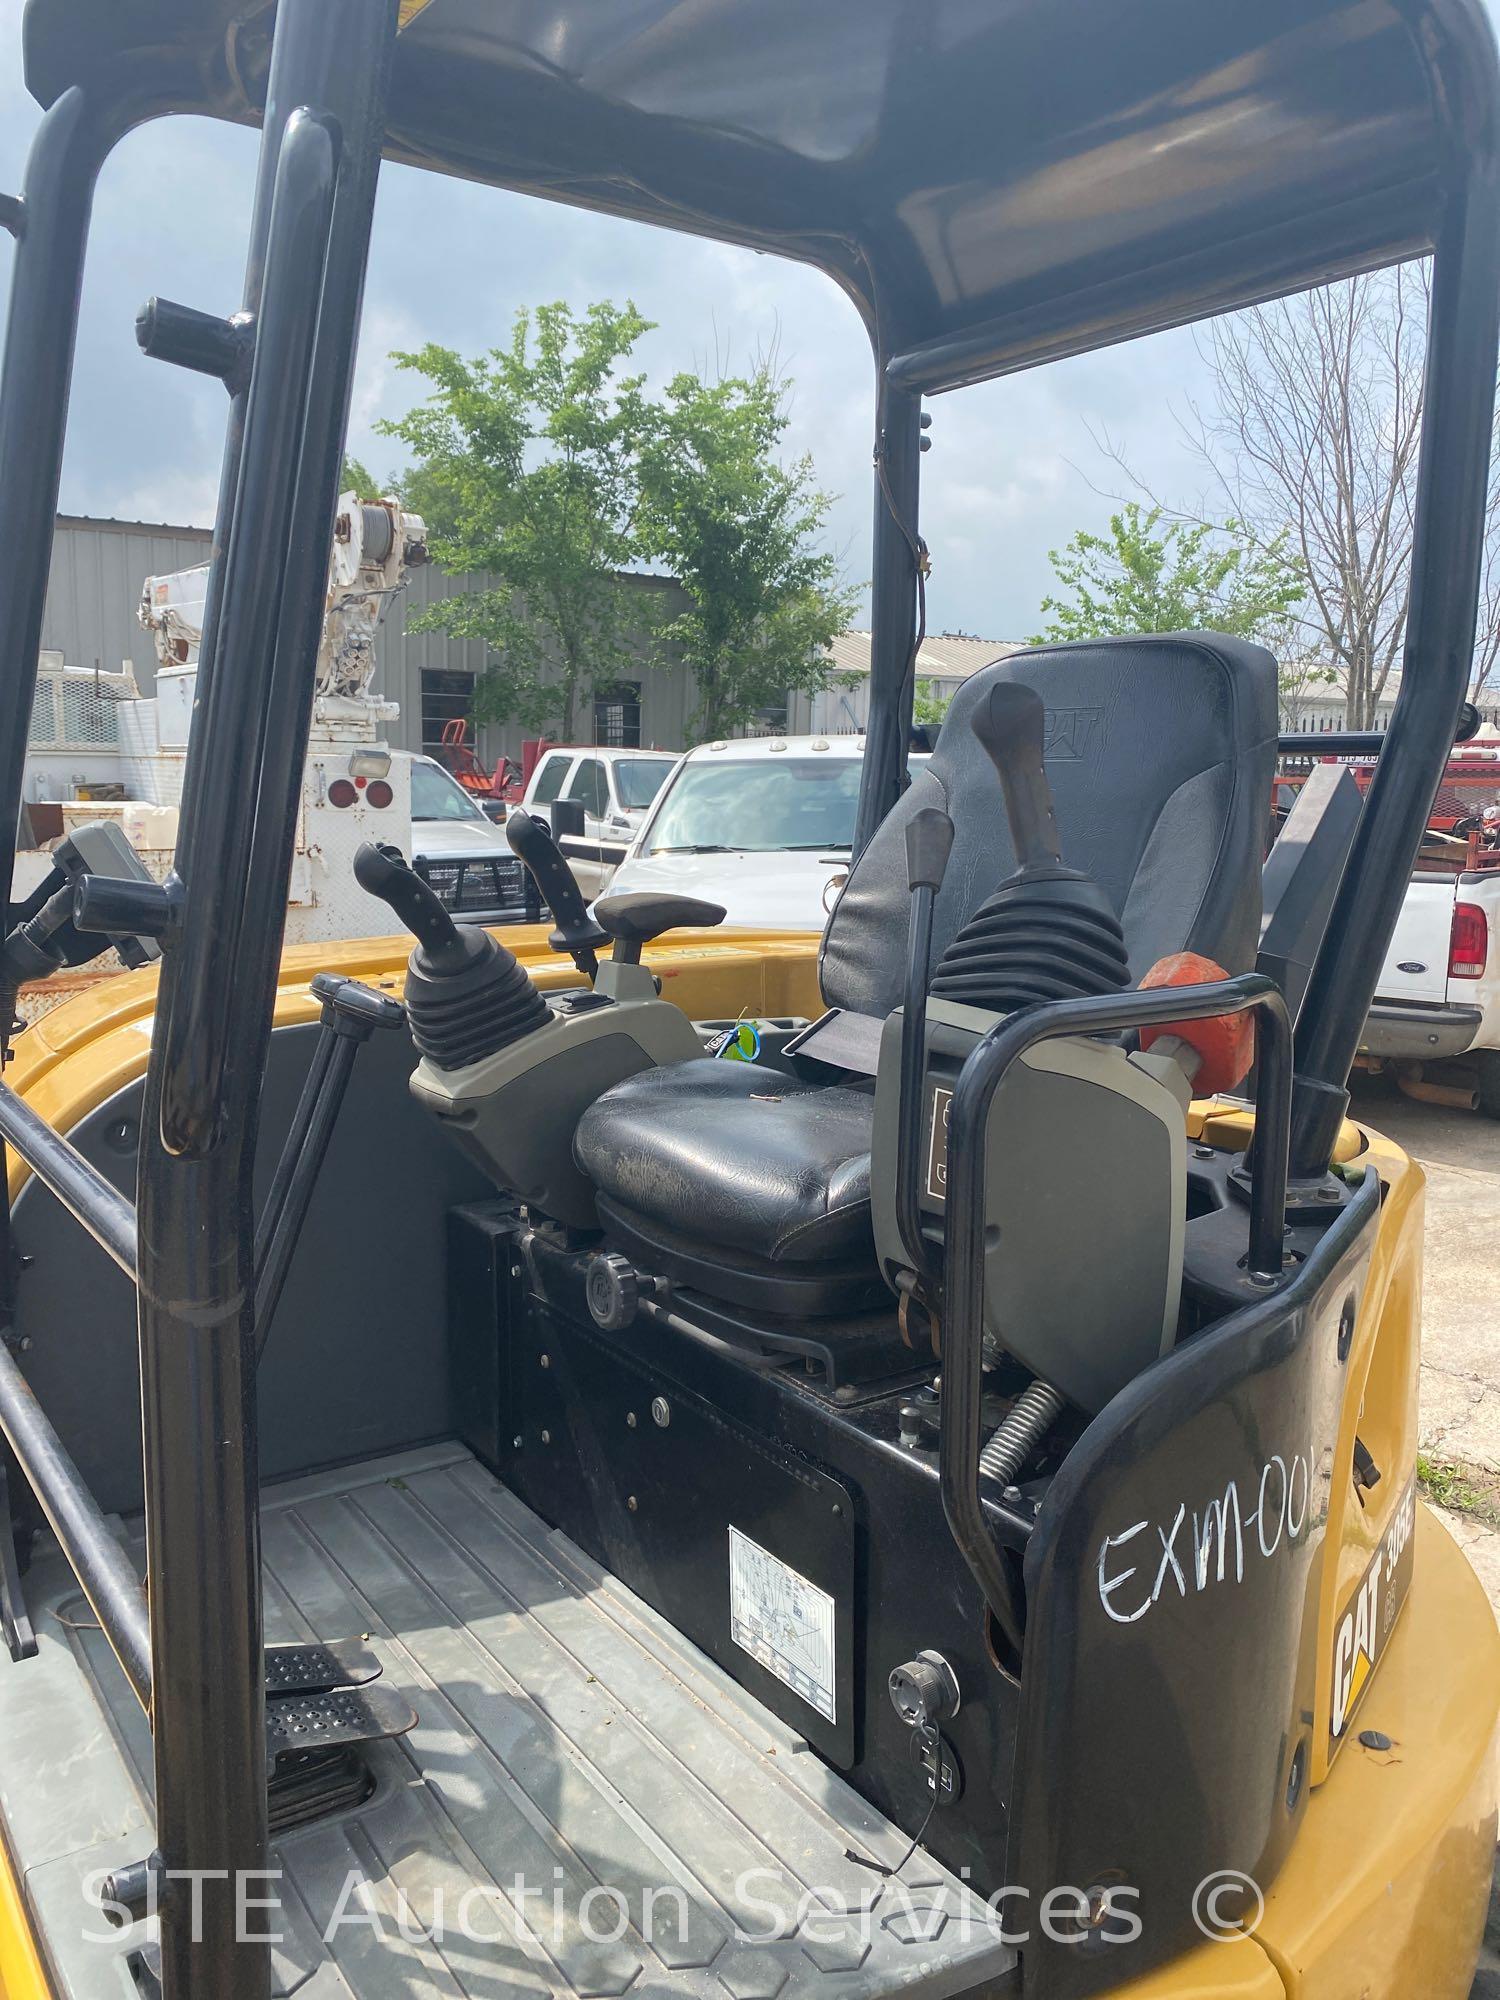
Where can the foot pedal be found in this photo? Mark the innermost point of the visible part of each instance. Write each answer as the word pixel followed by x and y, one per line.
pixel 15 1620
pixel 300 1722
pixel 317 1669
pixel 316 1784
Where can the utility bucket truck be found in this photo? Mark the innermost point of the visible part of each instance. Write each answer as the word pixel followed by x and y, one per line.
pixel 355 787
pixel 500 1500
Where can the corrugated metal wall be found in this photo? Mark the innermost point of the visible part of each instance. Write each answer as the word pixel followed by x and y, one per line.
pixel 666 698
pixel 98 568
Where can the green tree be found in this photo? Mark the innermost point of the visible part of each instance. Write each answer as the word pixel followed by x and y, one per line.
pixel 356 477
pixel 928 707
pixel 527 458
pixel 1183 577
pixel 740 533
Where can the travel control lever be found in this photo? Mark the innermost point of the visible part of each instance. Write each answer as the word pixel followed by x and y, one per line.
pixel 929 842
pixel 577 934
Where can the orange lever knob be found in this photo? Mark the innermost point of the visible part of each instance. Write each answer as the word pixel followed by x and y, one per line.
pixel 1217 1051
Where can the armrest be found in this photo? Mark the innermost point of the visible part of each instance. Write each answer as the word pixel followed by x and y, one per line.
pixel 637 917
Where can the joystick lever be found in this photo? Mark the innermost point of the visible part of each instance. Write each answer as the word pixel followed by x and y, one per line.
pixel 1011 727
pixel 467 996
pixel 381 871
pixel 577 934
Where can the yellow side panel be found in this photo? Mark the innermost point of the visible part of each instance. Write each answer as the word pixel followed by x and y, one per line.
pixel 1384 1894
pixel 21 1975
pixel 1234 1969
pixel 74 1059
pixel 410 10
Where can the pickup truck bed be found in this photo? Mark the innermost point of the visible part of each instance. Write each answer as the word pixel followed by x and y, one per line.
pixel 1438 1000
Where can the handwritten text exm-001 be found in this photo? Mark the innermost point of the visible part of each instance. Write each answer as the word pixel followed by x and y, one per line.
pixel 1200 1547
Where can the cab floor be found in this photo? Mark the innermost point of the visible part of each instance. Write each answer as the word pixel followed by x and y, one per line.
pixel 587 1805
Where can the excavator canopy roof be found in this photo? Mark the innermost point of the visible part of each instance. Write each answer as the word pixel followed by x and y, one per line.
pixel 994 182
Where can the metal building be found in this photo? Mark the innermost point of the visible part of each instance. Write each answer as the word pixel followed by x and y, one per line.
pixel 99 566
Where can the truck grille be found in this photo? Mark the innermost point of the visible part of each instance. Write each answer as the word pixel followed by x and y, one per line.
pixel 478 884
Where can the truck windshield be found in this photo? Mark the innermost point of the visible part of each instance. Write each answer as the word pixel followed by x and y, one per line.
pixel 758 805
pixel 639 779
pixel 434 795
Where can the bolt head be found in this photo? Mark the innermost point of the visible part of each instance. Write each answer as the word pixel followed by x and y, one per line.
pixel 661 1412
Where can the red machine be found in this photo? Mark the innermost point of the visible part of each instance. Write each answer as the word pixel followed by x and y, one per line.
pixel 505 782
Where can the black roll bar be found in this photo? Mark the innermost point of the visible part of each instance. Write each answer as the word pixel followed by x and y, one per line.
pixel 104 1212
pixel 1363 742
pixel 984 1071
pixel 95 1556
pixel 199 1011
pixel 320 160
pixel 1457 420
pixel 893 606
pixel 41 332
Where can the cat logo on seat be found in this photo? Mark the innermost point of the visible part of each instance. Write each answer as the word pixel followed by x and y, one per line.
pixel 1371 1614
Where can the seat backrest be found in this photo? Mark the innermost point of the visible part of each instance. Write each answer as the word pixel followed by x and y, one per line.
pixel 1161 753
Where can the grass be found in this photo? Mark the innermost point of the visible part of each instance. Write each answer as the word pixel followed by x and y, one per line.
pixel 1461 1488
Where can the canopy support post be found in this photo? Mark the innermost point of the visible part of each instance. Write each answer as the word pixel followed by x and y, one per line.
pixel 1453 469
pixel 896 554
pixel 320 158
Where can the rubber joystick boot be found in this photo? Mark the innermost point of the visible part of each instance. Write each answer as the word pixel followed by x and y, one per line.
pixel 467 996
pixel 1047 932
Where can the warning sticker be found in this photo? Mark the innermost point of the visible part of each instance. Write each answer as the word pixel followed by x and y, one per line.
pixel 783 1621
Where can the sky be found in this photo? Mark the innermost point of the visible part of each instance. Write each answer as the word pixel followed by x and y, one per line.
pixel 1013 471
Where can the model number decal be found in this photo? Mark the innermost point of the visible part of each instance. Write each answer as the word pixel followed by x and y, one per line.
pixel 1207 1545
pixel 937 1144
pixel 1371 1613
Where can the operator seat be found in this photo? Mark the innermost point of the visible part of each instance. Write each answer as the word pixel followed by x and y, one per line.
pixel 754 1186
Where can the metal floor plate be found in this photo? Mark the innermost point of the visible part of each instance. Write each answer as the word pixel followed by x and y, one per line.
pixel 587 1805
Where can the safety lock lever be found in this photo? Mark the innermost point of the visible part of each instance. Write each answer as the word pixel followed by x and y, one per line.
pixel 15 1620
pixel 351 1014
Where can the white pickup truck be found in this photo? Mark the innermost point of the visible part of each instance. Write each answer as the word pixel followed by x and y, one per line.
pixel 604 795
pixel 1436 1018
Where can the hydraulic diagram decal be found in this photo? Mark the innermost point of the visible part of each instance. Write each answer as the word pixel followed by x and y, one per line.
pixel 782 1620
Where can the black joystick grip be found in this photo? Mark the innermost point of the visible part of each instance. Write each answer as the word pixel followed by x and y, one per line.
pixel 576 933
pixel 929 842
pixel 382 872
pixel 1012 726
pixel 467 997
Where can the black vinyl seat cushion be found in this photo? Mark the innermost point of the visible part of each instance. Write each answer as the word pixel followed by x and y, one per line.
pixel 1160 752
pixel 730 1154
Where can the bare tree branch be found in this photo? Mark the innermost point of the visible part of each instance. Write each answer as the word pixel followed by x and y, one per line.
pixel 1313 432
